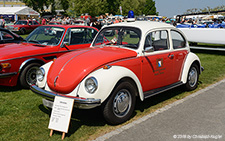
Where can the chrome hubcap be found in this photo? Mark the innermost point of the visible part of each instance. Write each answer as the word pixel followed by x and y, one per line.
pixel 122 103
pixel 193 77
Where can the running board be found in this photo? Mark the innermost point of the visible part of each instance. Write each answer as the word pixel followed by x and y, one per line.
pixel 208 48
pixel 160 90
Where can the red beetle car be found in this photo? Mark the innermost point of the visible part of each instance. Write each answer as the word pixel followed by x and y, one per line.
pixel 19 62
pixel 126 61
pixel 23 26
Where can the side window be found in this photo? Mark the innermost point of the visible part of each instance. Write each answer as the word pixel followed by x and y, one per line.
pixel 35 23
pixel 89 35
pixel 67 36
pixel 178 40
pixel 77 36
pixel 158 40
pixel 6 36
pixel 30 22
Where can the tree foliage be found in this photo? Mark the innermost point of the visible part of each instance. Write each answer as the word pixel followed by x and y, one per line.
pixel 96 7
pixel 36 5
pixel 206 9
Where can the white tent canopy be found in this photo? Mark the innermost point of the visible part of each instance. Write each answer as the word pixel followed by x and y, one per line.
pixel 18 11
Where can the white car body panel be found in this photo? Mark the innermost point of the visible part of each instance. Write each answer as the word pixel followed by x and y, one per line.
pixel 205 35
pixel 191 57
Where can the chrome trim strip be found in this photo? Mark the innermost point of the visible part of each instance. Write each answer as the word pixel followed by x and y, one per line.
pixel 51 95
pixel 39 55
pixel 160 90
pixel 7 74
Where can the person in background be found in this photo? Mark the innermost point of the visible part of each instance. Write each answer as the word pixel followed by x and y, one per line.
pixel 2 22
pixel 43 22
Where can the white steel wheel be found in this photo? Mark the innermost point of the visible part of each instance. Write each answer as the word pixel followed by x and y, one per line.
pixel 122 103
pixel 192 79
pixel 119 107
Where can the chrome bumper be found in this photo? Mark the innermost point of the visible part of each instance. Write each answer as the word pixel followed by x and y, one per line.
pixel 78 102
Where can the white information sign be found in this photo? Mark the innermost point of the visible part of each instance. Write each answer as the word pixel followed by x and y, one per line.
pixel 61 114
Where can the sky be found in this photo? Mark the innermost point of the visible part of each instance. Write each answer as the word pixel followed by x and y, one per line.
pixel 169 8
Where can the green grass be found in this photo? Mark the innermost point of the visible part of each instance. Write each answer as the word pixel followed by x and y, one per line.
pixel 24 36
pixel 23 117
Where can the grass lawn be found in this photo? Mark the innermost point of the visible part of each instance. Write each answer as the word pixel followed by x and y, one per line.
pixel 23 117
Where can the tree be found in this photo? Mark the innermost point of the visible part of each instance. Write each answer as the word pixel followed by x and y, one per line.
pixel 93 7
pixel 112 6
pixel 149 8
pixel 36 5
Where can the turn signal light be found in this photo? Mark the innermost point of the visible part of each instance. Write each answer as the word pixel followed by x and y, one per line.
pixel 107 67
pixel 5 65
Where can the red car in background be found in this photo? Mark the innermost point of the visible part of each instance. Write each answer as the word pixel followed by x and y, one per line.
pixel 19 62
pixel 23 26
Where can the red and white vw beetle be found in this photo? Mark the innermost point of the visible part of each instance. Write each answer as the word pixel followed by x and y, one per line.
pixel 126 61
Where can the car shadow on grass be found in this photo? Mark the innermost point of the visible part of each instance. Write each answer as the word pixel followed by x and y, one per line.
pixel 89 117
pixel 94 117
pixel 10 89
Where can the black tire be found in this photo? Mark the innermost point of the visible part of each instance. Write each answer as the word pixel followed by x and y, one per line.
pixel 28 75
pixel 119 107
pixel 192 78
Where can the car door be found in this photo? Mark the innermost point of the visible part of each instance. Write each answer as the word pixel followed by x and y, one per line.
pixel 157 61
pixel 35 24
pixel 79 37
pixel 30 26
pixel 180 52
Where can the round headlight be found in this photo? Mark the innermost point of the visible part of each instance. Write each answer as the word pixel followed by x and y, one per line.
pixel 91 85
pixel 40 74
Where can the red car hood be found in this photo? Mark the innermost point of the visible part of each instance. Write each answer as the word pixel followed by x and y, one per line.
pixel 14 50
pixel 68 70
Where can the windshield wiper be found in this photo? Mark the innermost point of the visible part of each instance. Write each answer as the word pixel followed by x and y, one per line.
pixel 34 41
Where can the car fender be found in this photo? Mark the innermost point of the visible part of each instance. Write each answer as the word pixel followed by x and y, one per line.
pixel 107 80
pixel 190 59
pixel 46 67
pixel 28 61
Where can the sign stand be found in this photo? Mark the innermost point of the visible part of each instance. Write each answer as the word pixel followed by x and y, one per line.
pixel 63 134
pixel 61 114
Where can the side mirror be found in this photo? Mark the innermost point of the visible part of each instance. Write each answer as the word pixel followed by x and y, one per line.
pixel 149 49
pixel 66 44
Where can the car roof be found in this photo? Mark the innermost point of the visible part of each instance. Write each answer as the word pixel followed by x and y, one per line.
pixel 71 26
pixel 144 25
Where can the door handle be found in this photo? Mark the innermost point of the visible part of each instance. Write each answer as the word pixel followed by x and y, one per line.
pixel 170 56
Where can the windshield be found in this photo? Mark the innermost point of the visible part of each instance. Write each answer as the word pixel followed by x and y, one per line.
pixel 119 36
pixel 46 35
pixel 21 23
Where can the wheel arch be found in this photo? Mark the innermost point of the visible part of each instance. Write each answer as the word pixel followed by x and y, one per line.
pixel 130 80
pixel 29 61
pixel 133 79
pixel 190 60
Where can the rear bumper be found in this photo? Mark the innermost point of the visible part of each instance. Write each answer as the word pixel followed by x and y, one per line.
pixel 82 103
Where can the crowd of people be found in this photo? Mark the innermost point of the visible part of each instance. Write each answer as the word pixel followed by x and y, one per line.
pixel 97 22
pixel 102 20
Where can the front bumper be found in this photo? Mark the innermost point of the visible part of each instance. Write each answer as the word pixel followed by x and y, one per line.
pixel 3 75
pixel 82 103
